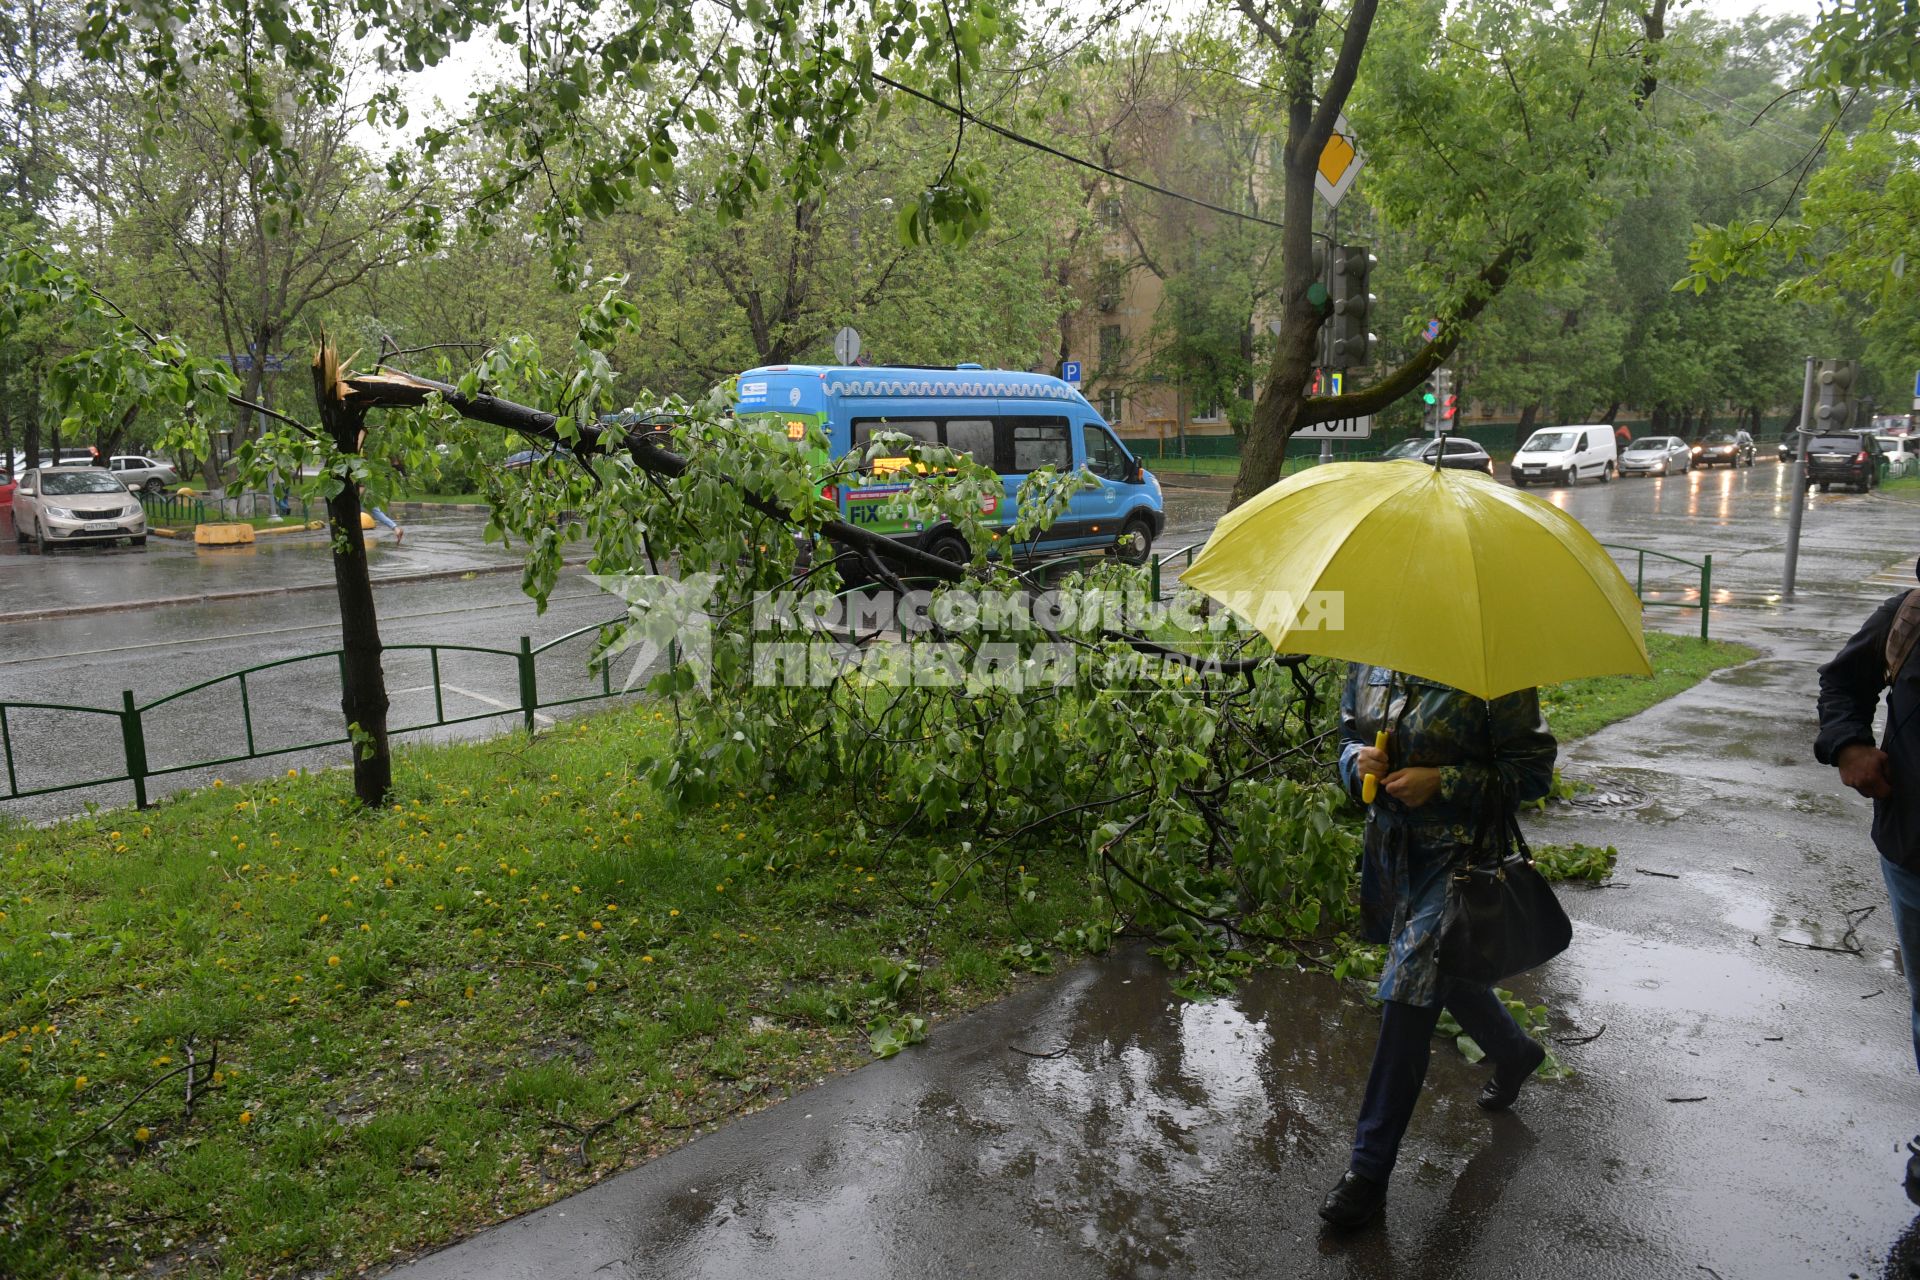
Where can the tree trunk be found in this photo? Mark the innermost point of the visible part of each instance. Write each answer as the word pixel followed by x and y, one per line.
pixel 30 442
pixel 1612 414
pixel 1525 428
pixel 1706 419
pixel 363 685
pixel 1686 423
pixel 1658 424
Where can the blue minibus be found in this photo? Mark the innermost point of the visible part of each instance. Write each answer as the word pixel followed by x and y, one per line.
pixel 1010 422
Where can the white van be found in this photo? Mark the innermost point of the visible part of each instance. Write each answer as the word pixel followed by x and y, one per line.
pixel 1566 455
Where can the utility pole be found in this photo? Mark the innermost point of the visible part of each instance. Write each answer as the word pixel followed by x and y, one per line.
pixel 1836 411
pixel 1798 484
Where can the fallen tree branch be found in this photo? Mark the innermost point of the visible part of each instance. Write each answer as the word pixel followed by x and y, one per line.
pixel 391 389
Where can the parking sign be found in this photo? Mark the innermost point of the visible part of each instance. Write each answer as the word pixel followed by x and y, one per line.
pixel 1070 371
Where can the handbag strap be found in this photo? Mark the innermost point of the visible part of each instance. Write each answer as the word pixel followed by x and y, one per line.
pixel 1497 833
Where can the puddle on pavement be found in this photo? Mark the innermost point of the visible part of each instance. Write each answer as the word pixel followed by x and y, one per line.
pixel 1763 672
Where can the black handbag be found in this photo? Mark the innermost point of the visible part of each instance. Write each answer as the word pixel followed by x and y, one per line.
pixel 1501 917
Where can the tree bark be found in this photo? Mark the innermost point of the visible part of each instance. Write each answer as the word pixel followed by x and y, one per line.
pixel 363 684
pixel 1527 416
pixel 1612 414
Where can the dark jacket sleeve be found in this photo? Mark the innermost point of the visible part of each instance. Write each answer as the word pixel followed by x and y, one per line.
pixel 1350 740
pixel 1523 755
pixel 1851 684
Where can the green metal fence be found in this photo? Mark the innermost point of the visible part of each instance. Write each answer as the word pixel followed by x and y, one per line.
pixel 171 508
pixel 1704 565
pixel 132 714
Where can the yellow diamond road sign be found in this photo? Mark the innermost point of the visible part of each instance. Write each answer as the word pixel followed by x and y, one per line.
pixel 1340 163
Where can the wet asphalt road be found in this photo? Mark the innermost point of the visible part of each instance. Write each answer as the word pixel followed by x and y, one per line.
pixel 1737 1110
pixel 88 658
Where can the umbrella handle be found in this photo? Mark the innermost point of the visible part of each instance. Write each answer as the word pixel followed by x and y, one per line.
pixel 1369 784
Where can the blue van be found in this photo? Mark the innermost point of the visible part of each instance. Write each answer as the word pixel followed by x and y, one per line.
pixel 1013 423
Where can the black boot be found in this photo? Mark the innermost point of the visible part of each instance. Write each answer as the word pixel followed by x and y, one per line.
pixel 1507 1079
pixel 1354 1201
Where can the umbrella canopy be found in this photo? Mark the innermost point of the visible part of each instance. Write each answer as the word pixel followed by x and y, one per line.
pixel 1439 573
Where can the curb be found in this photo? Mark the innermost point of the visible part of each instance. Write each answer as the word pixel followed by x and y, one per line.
pixel 222 597
pixel 1195 480
pixel 428 508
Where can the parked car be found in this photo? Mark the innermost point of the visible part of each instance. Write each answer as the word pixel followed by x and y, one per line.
pixel 140 472
pixel 1724 449
pixel 1566 455
pixel 55 505
pixel 6 488
pixel 1903 454
pixel 1854 458
pixel 1464 455
pixel 527 457
pixel 1656 456
pixel 1789 446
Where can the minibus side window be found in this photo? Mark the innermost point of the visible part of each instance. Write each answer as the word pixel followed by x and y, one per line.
pixel 1105 457
pixel 1038 442
pixel 973 437
pixel 919 428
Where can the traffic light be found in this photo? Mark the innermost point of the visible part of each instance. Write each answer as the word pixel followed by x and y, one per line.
pixel 1834 409
pixel 1439 400
pixel 1349 344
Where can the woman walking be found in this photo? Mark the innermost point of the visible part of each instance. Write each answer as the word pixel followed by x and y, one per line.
pixel 1449 758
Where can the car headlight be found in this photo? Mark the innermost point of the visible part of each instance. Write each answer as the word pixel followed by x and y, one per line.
pixel 61 513
pixel 132 509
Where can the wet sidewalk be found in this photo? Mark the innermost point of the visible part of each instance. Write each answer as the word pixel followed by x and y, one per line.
pixel 1737 1110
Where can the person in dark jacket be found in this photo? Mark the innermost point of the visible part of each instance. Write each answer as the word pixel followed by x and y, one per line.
pixel 1448 755
pixel 1887 773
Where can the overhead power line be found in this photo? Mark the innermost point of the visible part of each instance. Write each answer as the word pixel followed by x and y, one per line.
pixel 1069 157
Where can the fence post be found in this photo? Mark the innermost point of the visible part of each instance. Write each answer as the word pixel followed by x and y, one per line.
pixel 1706 594
pixel 133 739
pixel 1156 579
pixel 529 688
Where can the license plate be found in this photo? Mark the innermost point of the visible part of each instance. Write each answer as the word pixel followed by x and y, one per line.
pixel 100 526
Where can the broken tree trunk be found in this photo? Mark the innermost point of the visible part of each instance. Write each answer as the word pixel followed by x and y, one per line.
pixel 363 684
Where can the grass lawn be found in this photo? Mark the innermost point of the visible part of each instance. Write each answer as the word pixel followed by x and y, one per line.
pixel 420 1014
pixel 1902 486
pixel 1581 707
pixel 526 974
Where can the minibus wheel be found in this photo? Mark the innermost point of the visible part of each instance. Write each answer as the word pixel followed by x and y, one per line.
pixel 1135 543
pixel 950 546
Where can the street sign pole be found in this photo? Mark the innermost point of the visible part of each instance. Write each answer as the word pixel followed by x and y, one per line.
pixel 1798 485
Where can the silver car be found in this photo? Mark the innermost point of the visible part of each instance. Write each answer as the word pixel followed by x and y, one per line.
pixel 138 471
pixel 54 505
pixel 1656 456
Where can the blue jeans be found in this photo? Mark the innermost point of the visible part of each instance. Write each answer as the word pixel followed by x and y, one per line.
pixel 1400 1065
pixel 382 518
pixel 1903 890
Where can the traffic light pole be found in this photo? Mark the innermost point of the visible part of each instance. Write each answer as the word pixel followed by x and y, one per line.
pixel 1798 485
pixel 1333 241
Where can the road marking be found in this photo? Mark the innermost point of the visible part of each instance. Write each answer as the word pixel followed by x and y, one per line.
pixel 493 702
pixel 69 655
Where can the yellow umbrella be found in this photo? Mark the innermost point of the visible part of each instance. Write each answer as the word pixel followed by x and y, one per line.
pixel 1439 573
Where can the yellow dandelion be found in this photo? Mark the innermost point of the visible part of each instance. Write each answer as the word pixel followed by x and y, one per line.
pixel 144 1134
pixel 403 1004
pixel 333 962
pixel 246 1117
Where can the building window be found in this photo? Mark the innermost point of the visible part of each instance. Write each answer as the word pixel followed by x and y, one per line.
pixel 1207 411
pixel 1110 344
pixel 1111 405
pixel 1112 213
